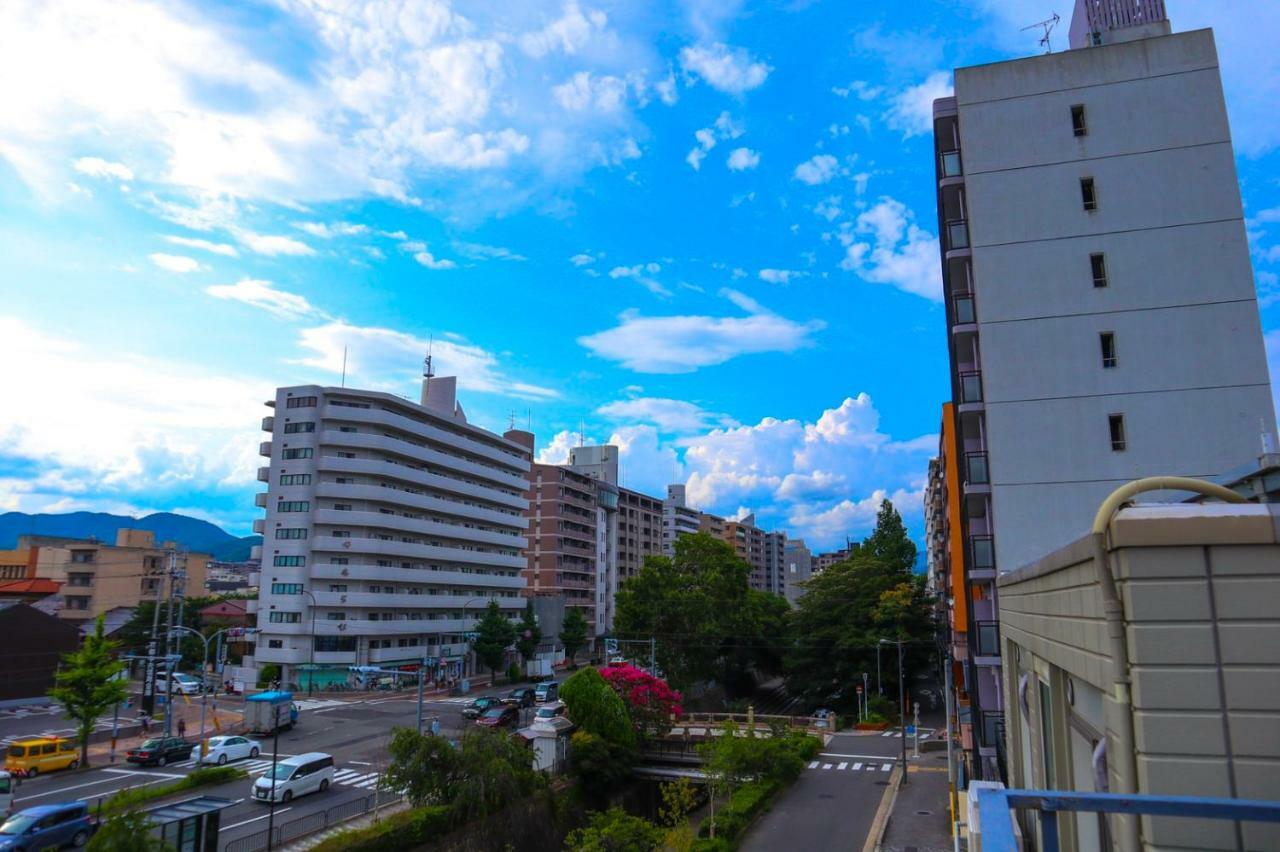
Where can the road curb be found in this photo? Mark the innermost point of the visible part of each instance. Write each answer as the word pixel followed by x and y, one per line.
pixel 881 821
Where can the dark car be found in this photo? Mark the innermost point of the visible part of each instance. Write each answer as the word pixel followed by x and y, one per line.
pixel 481 704
pixel 525 696
pixel 500 717
pixel 48 827
pixel 160 750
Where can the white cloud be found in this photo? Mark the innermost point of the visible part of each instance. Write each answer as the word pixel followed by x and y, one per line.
pixel 174 262
pixel 204 245
pixel 724 127
pixel 430 261
pixel 860 89
pixel 644 462
pixel 743 158
pixel 582 259
pixel 272 244
pixel 568 34
pixel 333 229
pixel 829 208
pixel 666 89
pixel 642 273
pixel 480 251
pixel 729 69
pixel 682 344
pixel 780 276
pixel 669 415
pixel 885 246
pixel 261 294
pixel 390 360
pixel 819 168
pixel 100 168
pixel 557 451
pixel 911 111
pixel 584 91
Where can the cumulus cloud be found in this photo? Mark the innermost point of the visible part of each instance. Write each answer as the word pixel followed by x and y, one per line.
pixel 780 276
pixel 582 259
pixel 261 294
pixel 174 262
pixel 819 168
pixel 204 245
pixel 480 251
pixel 911 110
pixel 860 89
pixel 741 159
pixel 683 344
pixel 645 462
pixel 642 274
pixel 724 127
pixel 567 34
pixel 100 168
pixel 332 229
pixel 272 244
pixel 390 360
pixel 676 416
pixel 585 91
pixel 730 69
pixel 885 246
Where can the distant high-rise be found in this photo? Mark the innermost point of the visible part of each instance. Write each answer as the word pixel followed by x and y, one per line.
pixel 798 564
pixel 678 518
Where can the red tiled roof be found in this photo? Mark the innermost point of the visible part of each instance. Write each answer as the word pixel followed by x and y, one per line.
pixel 34 586
pixel 232 607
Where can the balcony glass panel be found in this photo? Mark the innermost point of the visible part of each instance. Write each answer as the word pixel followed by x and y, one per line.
pixel 988 637
pixel 984 553
pixel 971 387
pixel 964 309
pixel 977 465
pixel 951 164
pixel 958 234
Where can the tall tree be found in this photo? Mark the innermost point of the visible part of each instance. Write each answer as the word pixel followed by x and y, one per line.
pixel 88 685
pixel 528 634
pixel 127 832
pixel 573 633
pixel 594 706
pixel 889 541
pixel 494 635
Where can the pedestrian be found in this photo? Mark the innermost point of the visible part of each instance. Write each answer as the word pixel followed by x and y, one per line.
pixel 182 728
pixel 144 719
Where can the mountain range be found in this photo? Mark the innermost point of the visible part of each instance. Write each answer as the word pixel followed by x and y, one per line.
pixel 192 533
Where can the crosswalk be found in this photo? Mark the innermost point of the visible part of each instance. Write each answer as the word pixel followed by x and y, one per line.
pixel 852 766
pixel 925 733
pixel 306 704
pixel 348 777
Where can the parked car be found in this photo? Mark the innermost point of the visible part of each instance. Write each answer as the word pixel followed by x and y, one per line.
pixel 824 718
pixel 548 690
pixel 224 749
pixel 522 697
pixel 6 795
pixel 547 712
pixel 48 827
pixel 506 716
pixel 160 750
pixel 481 704
pixel 28 758
pixel 183 684
pixel 296 776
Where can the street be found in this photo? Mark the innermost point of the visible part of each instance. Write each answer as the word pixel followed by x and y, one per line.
pixel 354 730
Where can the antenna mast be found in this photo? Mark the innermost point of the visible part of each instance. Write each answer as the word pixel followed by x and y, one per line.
pixel 1048 24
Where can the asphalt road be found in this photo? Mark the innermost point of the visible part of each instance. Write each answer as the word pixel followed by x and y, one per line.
pixel 354 731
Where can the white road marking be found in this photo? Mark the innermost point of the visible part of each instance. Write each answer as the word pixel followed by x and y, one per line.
pixel 359 763
pixel 861 756
pixel 255 819
pixel 813 765
pixel 857 766
pixel 887 734
pixel 148 774
pixel 61 790
pixel 842 766
pixel 886 767
pixel 826 766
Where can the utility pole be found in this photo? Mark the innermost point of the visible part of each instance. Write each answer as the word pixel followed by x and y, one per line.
pixel 879 688
pixel 653 656
pixel 902 709
pixel 149 683
pixel 169 664
pixel 422 685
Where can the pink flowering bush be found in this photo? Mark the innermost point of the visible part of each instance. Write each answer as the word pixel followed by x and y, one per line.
pixel 650 701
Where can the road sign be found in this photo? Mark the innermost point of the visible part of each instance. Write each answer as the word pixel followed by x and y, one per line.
pixel 911 729
pixel 859 690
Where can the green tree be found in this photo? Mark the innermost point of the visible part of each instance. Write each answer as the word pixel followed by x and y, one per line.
pixel 889 541
pixel 136 632
pixel 494 634
pixel 494 769
pixel 594 707
pixel 599 766
pixel 127 832
pixel 615 830
pixel 422 765
pixel 87 684
pixel 679 798
pixel 528 634
pixel 573 633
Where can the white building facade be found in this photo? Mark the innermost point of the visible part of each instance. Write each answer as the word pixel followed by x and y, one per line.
pixel 678 518
pixel 389 528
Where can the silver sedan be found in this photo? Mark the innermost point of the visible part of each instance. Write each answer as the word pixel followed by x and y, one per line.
pixel 225 749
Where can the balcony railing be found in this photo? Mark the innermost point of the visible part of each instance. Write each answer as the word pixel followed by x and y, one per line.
pixel 988 638
pixel 951 165
pixel 976 469
pixel 996 808
pixel 957 234
pixel 971 386
pixel 964 312
pixel 991 727
pixel 982 553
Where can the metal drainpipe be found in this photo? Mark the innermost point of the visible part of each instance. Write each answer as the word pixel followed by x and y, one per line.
pixel 1113 612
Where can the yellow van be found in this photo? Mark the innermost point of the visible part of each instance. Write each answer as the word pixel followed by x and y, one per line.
pixel 29 758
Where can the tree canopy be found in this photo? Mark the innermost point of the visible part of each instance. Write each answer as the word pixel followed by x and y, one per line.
pixel 650 702
pixel 482 774
pixel 528 634
pixel 596 708
pixel 573 633
pixel 494 635
pixel 87 684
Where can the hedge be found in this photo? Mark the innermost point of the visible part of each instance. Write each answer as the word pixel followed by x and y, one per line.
pixel 135 796
pixel 732 819
pixel 402 830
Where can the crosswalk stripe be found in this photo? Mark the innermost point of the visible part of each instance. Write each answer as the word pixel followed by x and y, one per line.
pixel 857 766
pixel 886 767
pixel 826 766
pixel 887 734
pixel 813 765
pixel 842 766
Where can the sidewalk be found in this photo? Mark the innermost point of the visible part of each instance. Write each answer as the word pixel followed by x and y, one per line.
pixel 920 818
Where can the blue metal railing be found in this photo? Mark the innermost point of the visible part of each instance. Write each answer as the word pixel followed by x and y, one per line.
pixel 996 807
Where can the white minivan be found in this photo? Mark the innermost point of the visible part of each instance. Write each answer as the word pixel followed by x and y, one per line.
pixel 296 776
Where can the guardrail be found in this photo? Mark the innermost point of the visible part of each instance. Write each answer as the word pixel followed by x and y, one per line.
pixel 311 823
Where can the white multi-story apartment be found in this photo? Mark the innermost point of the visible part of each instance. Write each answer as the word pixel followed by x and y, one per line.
pixel 1101 312
pixel 678 518
pixel 389 528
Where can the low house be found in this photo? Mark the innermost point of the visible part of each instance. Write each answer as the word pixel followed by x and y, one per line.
pixel 32 644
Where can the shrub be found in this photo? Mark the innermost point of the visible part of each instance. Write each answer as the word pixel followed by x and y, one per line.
pixel 878 705
pixel 513 673
pixel 615 830
pixel 130 798
pixel 649 700
pixel 594 707
pixel 747 801
pixel 404 830
pixel 270 672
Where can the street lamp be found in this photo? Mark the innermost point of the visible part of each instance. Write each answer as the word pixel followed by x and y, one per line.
pixel 311 666
pixel 493 677
pixel 204 670
pixel 902 701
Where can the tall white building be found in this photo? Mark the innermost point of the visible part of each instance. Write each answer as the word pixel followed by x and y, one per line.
pixel 389 527
pixel 678 518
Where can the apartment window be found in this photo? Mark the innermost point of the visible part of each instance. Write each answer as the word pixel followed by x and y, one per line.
pixel 1077 121
pixel 345 455
pixel 286 618
pixel 295 479
pixel 302 453
pixel 346 429
pixel 1116 424
pixel 345 480
pixel 289 561
pixel 294 428
pixel 291 532
pixel 301 402
pixel 79 579
pixel 336 616
pixel 286 588
pixel 1108 340
pixel 341 533
pixel 76 603
pixel 342 507
pixel 275 643
pixel 293 506
pixel 337 587
pixel 82 557
pixel 339 560
pixel 1088 196
pixel 1098 265
pixel 335 643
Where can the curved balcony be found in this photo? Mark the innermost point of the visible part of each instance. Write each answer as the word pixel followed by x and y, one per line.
pixel 507 458
pixel 369 600
pixel 380 547
pixel 260 525
pixel 423 576
pixel 260 500
pixel 269 423
pixel 362 627
pixel 381 520
pixel 264 449
pixel 264 474
pixel 400 447
pixel 426 502
pixel 403 473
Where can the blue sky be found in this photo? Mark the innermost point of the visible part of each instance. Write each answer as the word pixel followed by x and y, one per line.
pixel 702 230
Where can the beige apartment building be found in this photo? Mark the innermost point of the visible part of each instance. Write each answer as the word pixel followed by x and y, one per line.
pixel 98 577
pixel 1177 693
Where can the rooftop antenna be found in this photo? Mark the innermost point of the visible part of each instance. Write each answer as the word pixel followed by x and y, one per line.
pixel 1048 24
pixel 511 420
pixel 582 432
pixel 528 419
pixel 344 365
